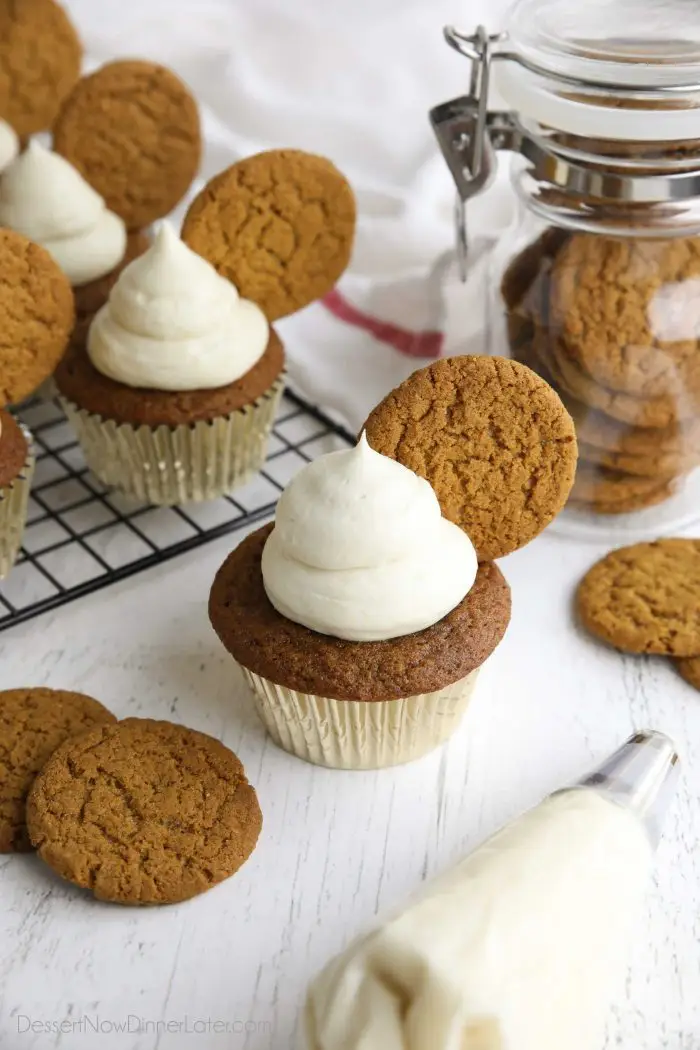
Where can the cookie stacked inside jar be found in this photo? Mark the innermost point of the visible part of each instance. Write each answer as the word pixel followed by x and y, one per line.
pixel 613 323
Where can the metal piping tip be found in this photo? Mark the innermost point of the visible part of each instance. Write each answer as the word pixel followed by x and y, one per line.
pixel 642 775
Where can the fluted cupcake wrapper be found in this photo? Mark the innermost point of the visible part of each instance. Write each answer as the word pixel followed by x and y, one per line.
pixel 13 511
pixel 350 734
pixel 188 463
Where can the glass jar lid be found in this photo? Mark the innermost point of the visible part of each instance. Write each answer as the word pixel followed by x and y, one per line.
pixel 618 69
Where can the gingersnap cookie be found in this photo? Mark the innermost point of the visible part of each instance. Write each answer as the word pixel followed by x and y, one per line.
pixel 657 412
pixel 491 437
pixel 629 504
pixel 36 316
pixel 132 130
pixel 33 723
pixel 625 312
pixel 658 468
pixel 40 57
pixel 644 598
pixel 600 431
pixel 596 484
pixel 143 812
pixel 689 669
pixel 279 225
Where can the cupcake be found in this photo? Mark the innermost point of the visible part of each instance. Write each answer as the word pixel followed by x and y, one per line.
pixel 36 319
pixel 174 396
pixel 362 616
pixel 46 199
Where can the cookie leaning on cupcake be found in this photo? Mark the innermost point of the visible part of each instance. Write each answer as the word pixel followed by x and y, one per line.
pixel 175 394
pixel 361 618
pixel 36 319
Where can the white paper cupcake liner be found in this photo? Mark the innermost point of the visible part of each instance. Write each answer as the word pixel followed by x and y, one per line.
pixel 13 511
pixel 184 464
pixel 349 734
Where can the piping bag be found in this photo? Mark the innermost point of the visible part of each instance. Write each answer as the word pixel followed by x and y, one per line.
pixel 523 945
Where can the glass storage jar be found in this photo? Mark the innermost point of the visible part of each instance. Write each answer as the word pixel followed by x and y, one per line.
pixel 596 285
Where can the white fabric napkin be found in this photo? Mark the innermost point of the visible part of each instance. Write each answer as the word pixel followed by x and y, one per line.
pixel 353 80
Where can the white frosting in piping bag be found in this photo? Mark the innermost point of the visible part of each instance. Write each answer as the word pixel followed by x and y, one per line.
pixel 360 549
pixel 9 145
pixel 47 199
pixel 522 946
pixel 172 323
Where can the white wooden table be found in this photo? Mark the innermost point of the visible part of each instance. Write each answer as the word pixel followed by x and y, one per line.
pixel 229 970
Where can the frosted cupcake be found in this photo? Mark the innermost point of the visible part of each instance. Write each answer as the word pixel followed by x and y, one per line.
pixel 174 396
pixel 16 469
pixel 47 199
pixel 362 617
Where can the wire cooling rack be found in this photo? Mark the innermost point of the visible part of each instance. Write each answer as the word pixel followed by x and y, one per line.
pixel 81 537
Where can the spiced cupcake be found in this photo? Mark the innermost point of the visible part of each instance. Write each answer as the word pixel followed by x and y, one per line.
pixel 16 469
pixel 362 617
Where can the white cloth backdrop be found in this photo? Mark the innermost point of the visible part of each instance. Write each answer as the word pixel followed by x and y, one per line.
pixel 352 79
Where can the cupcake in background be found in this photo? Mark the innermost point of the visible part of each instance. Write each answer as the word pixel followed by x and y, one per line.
pixel 9 145
pixel 361 618
pixel 46 199
pixel 174 396
pixel 36 319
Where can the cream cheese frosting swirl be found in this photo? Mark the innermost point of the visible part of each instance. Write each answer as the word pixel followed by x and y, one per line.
pixel 9 145
pixel 47 199
pixel 360 550
pixel 172 323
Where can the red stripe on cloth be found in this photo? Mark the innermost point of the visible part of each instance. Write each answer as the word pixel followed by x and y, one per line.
pixel 414 344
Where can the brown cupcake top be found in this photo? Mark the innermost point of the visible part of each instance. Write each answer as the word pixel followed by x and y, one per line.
pixel 13 449
pixel 80 382
pixel 269 644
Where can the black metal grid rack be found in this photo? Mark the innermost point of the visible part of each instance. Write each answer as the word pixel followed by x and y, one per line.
pixel 81 537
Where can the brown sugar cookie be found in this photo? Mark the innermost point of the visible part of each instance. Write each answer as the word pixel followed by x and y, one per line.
pixel 601 431
pixel 143 812
pixel 132 130
pixel 36 316
pixel 624 310
pixel 33 723
pixel 40 57
pixel 689 669
pixel 89 298
pixel 279 225
pixel 629 504
pixel 658 468
pixel 491 437
pixel 595 484
pixel 644 598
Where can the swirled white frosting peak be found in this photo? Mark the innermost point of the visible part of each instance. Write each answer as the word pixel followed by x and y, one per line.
pixel 172 323
pixel 360 549
pixel 47 199
pixel 9 145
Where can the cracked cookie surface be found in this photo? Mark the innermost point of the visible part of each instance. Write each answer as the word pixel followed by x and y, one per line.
pixel 40 58
pixel 644 598
pixel 491 437
pixel 144 812
pixel 36 316
pixel 132 130
pixel 33 723
pixel 279 225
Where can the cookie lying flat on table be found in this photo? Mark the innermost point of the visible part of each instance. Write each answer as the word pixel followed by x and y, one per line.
pixel 33 723
pixel 279 225
pixel 689 669
pixel 644 598
pixel 143 812
pixel 40 57
pixel 491 437
pixel 132 130
pixel 36 316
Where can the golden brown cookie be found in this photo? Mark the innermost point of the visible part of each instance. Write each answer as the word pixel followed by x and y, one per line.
pixel 280 225
pixel 493 440
pixel 132 130
pixel 143 812
pixel 689 669
pixel 657 468
pixel 33 723
pixel 36 316
pixel 624 310
pixel 627 505
pixel 595 484
pixel 644 598
pixel 40 57
pixel 601 431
